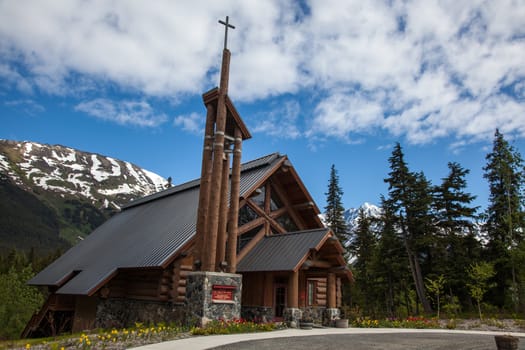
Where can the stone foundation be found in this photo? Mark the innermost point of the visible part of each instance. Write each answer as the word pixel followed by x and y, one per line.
pixel 330 315
pixel 121 313
pixel 292 316
pixel 313 313
pixel 257 313
pixel 202 307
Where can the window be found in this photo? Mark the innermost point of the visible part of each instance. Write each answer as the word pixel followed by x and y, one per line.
pixel 246 214
pixel 259 197
pixel 287 223
pixel 311 287
pixel 246 237
pixel 275 202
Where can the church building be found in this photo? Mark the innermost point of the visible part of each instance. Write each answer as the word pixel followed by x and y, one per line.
pixel 244 240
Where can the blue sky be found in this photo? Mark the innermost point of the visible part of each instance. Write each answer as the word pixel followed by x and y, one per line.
pixel 326 82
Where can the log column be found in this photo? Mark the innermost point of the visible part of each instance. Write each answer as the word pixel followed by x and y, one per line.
pixel 331 302
pixel 233 219
pixel 210 253
pixel 293 290
pixel 223 218
pixel 204 192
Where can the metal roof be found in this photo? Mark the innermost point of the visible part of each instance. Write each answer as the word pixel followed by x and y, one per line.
pixel 147 233
pixel 282 252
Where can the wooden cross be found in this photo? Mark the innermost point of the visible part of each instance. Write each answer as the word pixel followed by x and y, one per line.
pixel 226 26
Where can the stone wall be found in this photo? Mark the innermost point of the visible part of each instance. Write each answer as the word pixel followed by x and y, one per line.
pixel 120 313
pixel 257 313
pixel 202 307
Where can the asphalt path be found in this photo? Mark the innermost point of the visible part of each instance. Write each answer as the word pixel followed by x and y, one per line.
pixel 372 341
pixel 337 338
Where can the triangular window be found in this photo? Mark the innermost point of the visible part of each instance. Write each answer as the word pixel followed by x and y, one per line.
pixel 259 196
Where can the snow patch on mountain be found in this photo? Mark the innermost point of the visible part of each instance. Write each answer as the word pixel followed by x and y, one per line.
pixel 67 171
pixel 352 215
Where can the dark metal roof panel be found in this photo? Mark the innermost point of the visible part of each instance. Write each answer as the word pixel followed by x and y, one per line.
pixel 281 252
pixel 253 172
pixel 142 236
pixel 147 233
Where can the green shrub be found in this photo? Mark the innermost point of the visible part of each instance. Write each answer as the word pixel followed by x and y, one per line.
pixel 232 327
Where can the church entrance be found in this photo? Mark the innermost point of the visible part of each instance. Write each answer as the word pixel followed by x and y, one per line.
pixel 280 300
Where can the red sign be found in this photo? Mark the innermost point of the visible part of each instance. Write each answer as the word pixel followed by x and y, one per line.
pixel 222 293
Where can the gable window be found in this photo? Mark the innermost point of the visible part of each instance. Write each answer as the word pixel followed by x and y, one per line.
pixel 246 214
pixel 287 223
pixel 260 195
pixel 246 237
pixel 275 202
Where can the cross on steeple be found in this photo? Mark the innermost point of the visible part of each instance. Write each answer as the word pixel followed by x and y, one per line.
pixel 226 26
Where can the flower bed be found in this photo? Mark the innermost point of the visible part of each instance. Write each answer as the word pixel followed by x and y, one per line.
pixel 232 327
pixel 409 322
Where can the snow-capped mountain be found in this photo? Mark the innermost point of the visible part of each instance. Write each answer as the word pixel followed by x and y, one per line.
pixel 52 196
pixel 104 181
pixel 352 215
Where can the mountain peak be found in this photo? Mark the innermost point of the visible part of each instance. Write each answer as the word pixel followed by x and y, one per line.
pixel 68 172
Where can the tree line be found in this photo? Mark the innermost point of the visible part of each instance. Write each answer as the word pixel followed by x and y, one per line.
pixel 18 301
pixel 432 250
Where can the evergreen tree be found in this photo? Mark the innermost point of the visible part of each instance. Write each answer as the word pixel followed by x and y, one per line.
pixel 334 209
pixel 18 301
pixel 458 244
pixel 453 205
pixel 409 203
pixel 362 248
pixel 389 265
pixel 504 172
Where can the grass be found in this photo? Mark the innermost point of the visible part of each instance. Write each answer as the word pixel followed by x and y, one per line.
pixel 138 335
pixel 103 339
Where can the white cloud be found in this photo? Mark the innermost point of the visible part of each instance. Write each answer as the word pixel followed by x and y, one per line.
pixel 419 70
pixel 137 113
pixel 279 122
pixel 341 114
pixel 193 123
pixel 27 106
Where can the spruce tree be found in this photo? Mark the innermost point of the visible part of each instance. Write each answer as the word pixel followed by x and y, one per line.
pixel 405 189
pixel 334 209
pixel 455 212
pixel 362 248
pixel 504 172
pixel 455 215
pixel 389 264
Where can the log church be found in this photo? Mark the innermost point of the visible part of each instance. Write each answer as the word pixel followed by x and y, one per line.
pixel 248 233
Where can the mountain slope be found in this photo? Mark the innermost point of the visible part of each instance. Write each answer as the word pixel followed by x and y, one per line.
pixel 52 195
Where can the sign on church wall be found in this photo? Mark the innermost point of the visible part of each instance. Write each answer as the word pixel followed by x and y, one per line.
pixel 221 293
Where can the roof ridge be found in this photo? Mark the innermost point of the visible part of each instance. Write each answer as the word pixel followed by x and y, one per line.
pixel 252 164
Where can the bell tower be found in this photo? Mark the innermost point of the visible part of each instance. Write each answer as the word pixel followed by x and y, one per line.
pixel 216 236
pixel 213 289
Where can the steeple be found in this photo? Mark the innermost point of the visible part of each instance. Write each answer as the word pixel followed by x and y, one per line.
pixel 216 236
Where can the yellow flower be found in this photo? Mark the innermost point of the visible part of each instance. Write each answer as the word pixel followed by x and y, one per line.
pixel 28 346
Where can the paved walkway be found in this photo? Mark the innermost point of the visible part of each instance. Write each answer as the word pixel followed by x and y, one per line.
pixel 339 338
